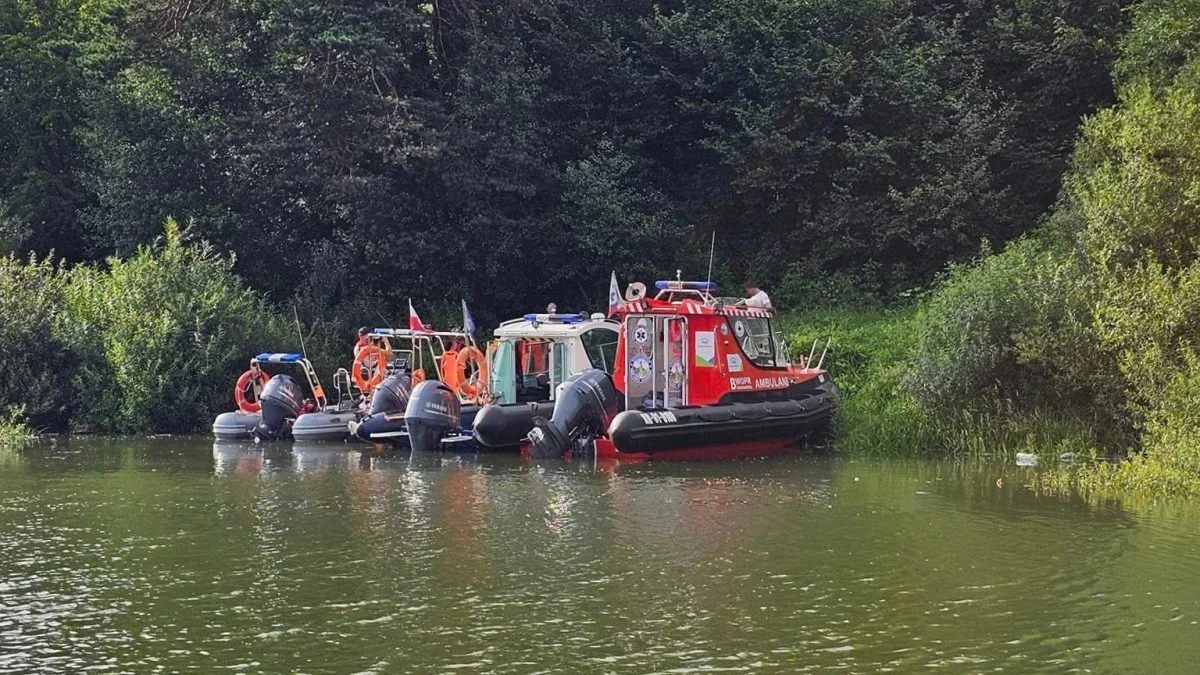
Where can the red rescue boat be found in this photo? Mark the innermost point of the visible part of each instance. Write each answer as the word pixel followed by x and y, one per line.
pixel 697 377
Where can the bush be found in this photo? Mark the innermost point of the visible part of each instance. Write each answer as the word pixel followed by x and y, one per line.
pixel 37 366
pixel 871 360
pixel 165 333
pixel 1013 332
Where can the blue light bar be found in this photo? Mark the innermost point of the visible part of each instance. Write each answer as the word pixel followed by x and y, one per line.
pixel 708 286
pixel 556 318
pixel 277 357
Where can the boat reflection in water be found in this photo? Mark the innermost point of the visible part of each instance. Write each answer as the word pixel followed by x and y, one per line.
pixel 609 511
pixel 248 458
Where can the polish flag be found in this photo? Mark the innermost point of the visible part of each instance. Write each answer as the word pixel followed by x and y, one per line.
pixel 414 321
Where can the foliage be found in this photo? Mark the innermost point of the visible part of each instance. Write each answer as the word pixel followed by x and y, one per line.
pixel 871 360
pixel 38 363
pixel 1013 332
pixel 1126 243
pixel 14 432
pixel 165 333
pixel 389 150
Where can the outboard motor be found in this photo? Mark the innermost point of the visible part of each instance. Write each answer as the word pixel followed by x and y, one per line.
pixel 433 413
pixel 282 400
pixel 391 396
pixel 585 405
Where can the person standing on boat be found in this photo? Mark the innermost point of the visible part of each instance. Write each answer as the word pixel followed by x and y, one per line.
pixel 756 297
pixel 363 340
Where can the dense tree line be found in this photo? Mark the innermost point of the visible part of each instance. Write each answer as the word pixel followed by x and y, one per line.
pixel 352 154
pixel 1094 315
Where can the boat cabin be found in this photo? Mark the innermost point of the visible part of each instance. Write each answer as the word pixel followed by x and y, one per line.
pixel 688 347
pixel 532 355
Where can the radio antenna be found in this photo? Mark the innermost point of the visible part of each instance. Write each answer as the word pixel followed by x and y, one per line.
pixel 299 332
pixel 711 249
pixel 385 321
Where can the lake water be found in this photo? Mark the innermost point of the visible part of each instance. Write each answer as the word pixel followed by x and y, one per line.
pixel 176 555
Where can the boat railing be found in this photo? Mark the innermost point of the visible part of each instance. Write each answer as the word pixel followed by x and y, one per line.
pixel 808 361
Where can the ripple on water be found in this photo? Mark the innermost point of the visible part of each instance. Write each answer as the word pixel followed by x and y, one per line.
pixel 260 561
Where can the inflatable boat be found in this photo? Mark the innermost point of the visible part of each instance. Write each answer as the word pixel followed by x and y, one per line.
pixel 411 358
pixel 697 377
pixel 529 359
pixel 278 407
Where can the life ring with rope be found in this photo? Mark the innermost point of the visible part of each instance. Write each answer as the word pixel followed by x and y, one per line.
pixel 370 367
pixel 470 387
pixel 255 377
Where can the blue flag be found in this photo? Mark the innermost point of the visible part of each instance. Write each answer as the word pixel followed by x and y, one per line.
pixel 468 322
pixel 614 294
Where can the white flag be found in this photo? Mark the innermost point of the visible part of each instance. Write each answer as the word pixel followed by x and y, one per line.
pixel 614 295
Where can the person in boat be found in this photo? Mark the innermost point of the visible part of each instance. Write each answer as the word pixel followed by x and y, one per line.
pixel 253 390
pixel 551 308
pixel 756 297
pixel 363 340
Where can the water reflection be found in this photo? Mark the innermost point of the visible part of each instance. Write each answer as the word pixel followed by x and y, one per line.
pixel 172 554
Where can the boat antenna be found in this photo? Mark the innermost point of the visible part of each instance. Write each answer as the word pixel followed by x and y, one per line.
pixel 385 321
pixel 711 249
pixel 299 332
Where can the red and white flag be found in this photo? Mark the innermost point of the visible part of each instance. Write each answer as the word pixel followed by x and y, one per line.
pixel 414 321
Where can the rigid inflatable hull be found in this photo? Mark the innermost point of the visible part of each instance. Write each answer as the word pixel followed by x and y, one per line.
pixel 236 425
pixel 323 426
pixel 390 428
pixel 720 431
pixel 500 427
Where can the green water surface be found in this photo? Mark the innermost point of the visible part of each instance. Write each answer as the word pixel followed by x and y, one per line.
pixel 176 555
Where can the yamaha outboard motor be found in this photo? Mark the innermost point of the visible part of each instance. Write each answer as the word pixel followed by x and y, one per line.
pixel 433 413
pixel 585 405
pixel 282 400
pixel 385 419
pixel 391 396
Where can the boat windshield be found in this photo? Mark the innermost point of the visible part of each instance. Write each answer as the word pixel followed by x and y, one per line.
pixel 502 383
pixel 520 371
pixel 757 340
pixel 601 347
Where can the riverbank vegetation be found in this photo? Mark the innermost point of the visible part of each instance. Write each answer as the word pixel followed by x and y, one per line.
pixel 1081 336
pixel 146 343
pixel 1004 192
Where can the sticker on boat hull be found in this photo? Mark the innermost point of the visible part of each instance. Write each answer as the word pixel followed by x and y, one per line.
pixel 641 331
pixel 733 362
pixel 706 349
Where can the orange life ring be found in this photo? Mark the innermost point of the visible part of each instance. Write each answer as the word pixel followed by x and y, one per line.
pixel 377 370
pixel 471 389
pixel 239 390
